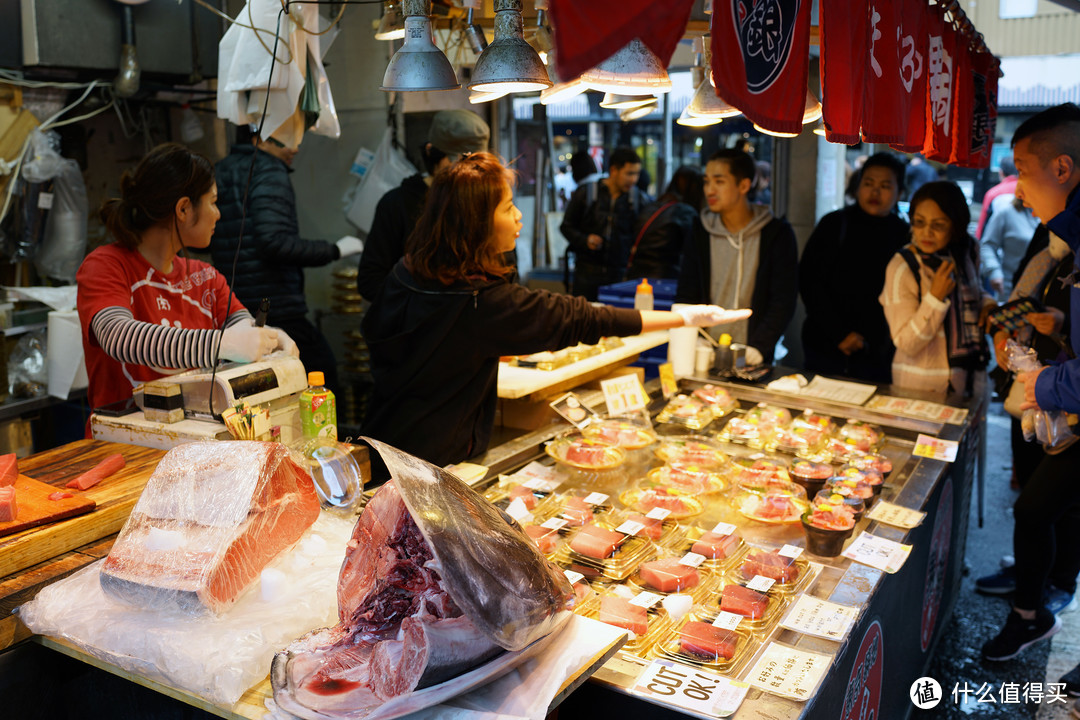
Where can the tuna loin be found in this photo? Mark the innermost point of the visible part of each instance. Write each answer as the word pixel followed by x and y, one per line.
pixel 435 582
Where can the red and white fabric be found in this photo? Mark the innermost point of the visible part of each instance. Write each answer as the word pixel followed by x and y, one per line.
pixel 940 73
pixel 845 32
pixel 912 56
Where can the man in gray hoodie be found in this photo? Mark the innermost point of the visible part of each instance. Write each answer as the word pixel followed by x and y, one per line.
pixel 741 256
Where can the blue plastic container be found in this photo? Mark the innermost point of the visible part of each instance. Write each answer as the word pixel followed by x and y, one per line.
pixel 621 294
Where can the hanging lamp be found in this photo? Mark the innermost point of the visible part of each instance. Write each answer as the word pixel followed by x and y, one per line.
pixel 638 112
pixel 633 70
pixel 509 64
pixel 706 103
pixel 418 64
pixel 392 24
pixel 614 101
pixel 560 91
pixel 811 109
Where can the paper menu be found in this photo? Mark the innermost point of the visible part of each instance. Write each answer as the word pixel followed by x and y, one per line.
pixel 789 672
pixel 920 409
pixel 820 618
pixel 841 391
pixel 895 515
pixel 878 552
pixel 935 448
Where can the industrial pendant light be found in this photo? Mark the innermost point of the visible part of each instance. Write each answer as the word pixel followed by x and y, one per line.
pixel 542 37
pixel 614 101
pixel 638 112
pixel 560 91
pixel 632 70
pixel 473 32
pixel 812 108
pixel 697 77
pixel 509 64
pixel 392 24
pixel 476 97
pixel 687 120
pixel 706 103
pixel 418 65
pixel 775 133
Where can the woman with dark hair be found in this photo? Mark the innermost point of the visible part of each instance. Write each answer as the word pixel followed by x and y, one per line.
pixel 665 226
pixel 448 312
pixel 932 298
pixel 146 310
pixel 841 274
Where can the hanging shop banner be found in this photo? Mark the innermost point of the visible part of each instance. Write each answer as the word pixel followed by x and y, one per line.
pixel 964 101
pixel 845 31
pixel 883 115
pixel 940 61
pixel 973 126
pixel 760 59
pixel 911 48
pixel 587 33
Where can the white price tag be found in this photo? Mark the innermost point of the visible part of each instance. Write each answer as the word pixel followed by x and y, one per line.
pixel 936 448
pixel 540 485
pixel 517 510
pixel 624 395
pixel 896 515
pixel 786 671
pixel 727 620
pixel 573 576
pixel 790 551
pixel 630 527
pixel 658 514
pixel 45 201
pixel 554 524
pixel 596 498
pixel 692 689
pixel 723 528
pixel 761 583
pixel 692 559
pixel 646 599
pixel 820 618
pixel 877 552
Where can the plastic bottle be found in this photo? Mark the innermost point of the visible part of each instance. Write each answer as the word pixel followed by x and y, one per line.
pixel 724 364
pixel 318 409
pixel 643 296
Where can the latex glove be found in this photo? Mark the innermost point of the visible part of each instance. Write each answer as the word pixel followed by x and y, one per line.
pixel 350 245
pixel 709 315
pixel 286 344
pixel 244 342
pixel 753 356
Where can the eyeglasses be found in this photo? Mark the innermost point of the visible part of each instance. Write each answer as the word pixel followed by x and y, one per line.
pixel 938 227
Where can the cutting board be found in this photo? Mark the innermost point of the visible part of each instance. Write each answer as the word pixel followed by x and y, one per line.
pixel 35 507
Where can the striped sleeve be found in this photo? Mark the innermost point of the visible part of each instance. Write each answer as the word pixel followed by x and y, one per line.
pixel 128 340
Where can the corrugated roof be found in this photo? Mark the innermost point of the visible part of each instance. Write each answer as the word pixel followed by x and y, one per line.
pixel 1039 81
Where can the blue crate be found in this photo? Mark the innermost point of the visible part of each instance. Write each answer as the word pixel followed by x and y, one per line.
pixel 621 294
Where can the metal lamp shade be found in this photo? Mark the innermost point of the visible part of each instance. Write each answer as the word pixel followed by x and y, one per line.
pixel 622 102
pixel 418 65
pixel 706 103
pixel 637 112
pixel 392 24
pixel 774 133
pixel 562 91
pixel 633 70
pixel 687 120
pixel 812 108
pixel 509 64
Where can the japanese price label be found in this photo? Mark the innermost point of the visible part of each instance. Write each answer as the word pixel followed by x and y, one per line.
pixel 646 599
pixel 820 618
pixel 658 513
pixel 573 576
pixel 668 386
pixel 692 559
pixel 537 477
pixel 517 510
pixel 792 673
pixel 723 528
pixel 790 551
pixel 624 394
pixel 727 620
pixel 761 583
pixel 935 448
pixel 596 498
pixel 691 689
pixel 896 515
pixel 630 527
pixel 877 552
pixel 555 524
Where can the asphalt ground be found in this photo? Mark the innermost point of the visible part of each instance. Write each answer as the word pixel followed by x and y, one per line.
pixel 957 664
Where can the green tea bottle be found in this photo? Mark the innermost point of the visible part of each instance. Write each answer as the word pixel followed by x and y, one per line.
pixel 318 409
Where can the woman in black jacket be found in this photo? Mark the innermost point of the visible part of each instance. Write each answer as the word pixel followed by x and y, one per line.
pixel 665 226
pixel 841 274
pixel 447 313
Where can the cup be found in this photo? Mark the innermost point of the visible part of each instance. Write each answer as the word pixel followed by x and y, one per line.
pixel 703 359
pixel 682 344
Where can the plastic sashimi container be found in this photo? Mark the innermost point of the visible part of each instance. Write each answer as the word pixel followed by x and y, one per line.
pixel 679 504
pixel 692 450
pixel 690 478
pixel 719 400
pixel 687 411
pixel 696 642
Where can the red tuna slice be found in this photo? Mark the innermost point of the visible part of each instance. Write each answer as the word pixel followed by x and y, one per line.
pixel 596 542
pixel 586 453
pixel 545 538
pixel 620 612
pixel 577 512
pixel 661 498
pixel 668 575
pixel 743 601
pixel 9 469
pixel 703 640
pixel 771 565
pixel 582 593
pixel 715 546
pixel 525 494
pixel 654 527
pixel 9 509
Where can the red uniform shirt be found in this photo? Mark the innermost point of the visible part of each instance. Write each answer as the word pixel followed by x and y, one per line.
pixel 193 296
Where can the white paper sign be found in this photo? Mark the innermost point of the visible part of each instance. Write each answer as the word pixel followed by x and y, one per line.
pixel 691 689
pixel 658 514
pixel 727 620
pixel 723 528
pixel 692 559
pixel 877 552
pixel 761 583
pixel 820 618
pixel 573 576
pixel 555 524
pixel 541 485
pixel 624 395
pixel 935 448
pixel 596 498
pixel 790 551
pixel 785 671
pixel 646 599
pixel 517 510
pixel 896 515
pixel 630 527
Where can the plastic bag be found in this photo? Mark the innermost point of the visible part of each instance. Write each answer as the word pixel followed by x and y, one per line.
pixel 62 249
pixel 385 173
pixel 28 371
pixel 1049 427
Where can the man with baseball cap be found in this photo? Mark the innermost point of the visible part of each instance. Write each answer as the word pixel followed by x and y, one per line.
pixel 453 133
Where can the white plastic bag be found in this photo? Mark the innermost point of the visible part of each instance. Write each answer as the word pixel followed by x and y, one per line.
pixel 384 173
pixel 1049 427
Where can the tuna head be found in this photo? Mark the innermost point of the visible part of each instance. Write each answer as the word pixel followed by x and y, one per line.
pixel 490 568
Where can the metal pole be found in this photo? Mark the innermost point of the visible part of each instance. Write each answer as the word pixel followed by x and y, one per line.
pixel 665 167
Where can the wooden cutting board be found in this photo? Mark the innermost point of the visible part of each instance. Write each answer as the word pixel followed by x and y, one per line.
pixel 35 507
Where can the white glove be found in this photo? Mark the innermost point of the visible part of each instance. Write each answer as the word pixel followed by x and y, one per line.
pixel 709 315
pixel 350 245
pixel 286 344
pixel 753 356
pixel 244 342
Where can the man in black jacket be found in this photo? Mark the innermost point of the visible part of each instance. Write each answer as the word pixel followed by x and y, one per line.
pixel 272 254
pixel 453 133
pixel 741 256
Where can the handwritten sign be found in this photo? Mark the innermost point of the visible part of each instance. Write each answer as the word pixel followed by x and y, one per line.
pixel 878 552
pixel 624 395
pixel 935 448
pixel 895 515
pixel 786 671
pixel 918 409
pixel 691 689
pixel 820 618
